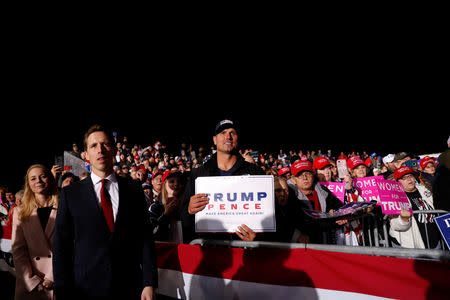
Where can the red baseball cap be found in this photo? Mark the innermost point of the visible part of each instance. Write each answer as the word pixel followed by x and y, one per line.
pixel 354 161
pixel 300 166
pixel 425 161
pixel 368 162
pixel 168 174
pixel 403 170
pixel 283 171
pixel 156 173
pixel 320 163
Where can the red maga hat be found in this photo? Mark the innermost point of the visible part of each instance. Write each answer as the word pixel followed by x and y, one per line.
pixel 300 166
pixel 320 163
pixel 283 171
pixel 402 171
pixel 426 160
pixel 354 161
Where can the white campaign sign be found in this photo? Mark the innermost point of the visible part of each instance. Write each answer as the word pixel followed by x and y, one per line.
pixel 236 200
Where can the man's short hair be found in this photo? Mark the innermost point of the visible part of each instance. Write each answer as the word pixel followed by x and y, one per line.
pixel 95 128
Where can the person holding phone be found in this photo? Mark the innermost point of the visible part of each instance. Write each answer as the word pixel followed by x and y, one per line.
pixel 356 169
pixel 352 234
pixel 164 213
pixel 323 169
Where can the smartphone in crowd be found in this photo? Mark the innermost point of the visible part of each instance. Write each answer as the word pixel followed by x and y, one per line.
pixel 411 163
pixel 59 160
pixel 341 165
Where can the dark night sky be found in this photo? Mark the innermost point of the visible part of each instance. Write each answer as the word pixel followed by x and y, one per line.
pixel 339 97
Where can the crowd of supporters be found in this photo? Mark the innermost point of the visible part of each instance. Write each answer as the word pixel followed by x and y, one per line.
pixel 163 176
pixel 168 177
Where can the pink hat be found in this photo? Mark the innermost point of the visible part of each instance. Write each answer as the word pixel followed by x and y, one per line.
pixel 299 166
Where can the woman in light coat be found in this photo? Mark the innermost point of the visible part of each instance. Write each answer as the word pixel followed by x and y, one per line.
pixel 32 235
pixel 404 228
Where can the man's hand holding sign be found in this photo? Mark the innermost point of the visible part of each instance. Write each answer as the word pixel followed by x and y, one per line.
pixel 197 203
pixel 226 163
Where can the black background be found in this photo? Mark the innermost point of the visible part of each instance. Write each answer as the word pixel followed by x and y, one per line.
pixel 323 89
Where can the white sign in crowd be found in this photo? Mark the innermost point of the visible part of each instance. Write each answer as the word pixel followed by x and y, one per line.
pixel 236 200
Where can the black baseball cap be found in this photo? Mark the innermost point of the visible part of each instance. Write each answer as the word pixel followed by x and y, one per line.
pixel 225 124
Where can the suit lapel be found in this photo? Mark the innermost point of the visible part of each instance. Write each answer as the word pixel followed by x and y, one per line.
pixel 35 229
pixel 50 228
pixel 122 192
pixel 91 198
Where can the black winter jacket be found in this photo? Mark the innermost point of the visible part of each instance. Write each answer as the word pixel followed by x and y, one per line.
pixel 210 168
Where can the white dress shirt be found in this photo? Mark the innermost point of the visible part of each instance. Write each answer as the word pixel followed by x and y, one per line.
pixel 111 186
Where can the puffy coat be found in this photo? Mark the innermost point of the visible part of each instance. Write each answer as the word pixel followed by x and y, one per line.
pixel 408 233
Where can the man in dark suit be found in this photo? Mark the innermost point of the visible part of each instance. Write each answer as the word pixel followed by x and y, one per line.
pixel 103 246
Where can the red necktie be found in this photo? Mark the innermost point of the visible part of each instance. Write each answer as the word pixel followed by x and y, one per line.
pixel 106 206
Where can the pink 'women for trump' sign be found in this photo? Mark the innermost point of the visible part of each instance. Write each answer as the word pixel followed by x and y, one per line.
pixel 390 195
pixel 367 187
pixel 336 188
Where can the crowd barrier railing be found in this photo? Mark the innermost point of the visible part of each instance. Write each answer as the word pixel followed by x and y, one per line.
pixel 375 241
pixel 375 229
pixel 435 254
pixel 426 239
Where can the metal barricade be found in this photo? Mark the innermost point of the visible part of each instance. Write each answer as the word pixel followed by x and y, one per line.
pixel 375 241
pixel 441 255
pixel 426 240
pixel 375 229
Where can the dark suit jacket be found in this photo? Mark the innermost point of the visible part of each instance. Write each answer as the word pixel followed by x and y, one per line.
pixel 89 260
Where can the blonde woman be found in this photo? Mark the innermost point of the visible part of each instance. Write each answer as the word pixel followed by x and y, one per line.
pixel 32 235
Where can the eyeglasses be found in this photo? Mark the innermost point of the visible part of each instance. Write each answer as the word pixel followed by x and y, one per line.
pixel 407 176
pixel 305 174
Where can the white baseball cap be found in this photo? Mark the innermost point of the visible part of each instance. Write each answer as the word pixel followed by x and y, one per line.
pixel 388 158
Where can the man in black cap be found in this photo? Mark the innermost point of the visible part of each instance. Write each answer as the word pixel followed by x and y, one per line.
pixel 225 162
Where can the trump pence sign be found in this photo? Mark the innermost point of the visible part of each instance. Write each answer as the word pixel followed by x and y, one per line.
pixel 236 200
